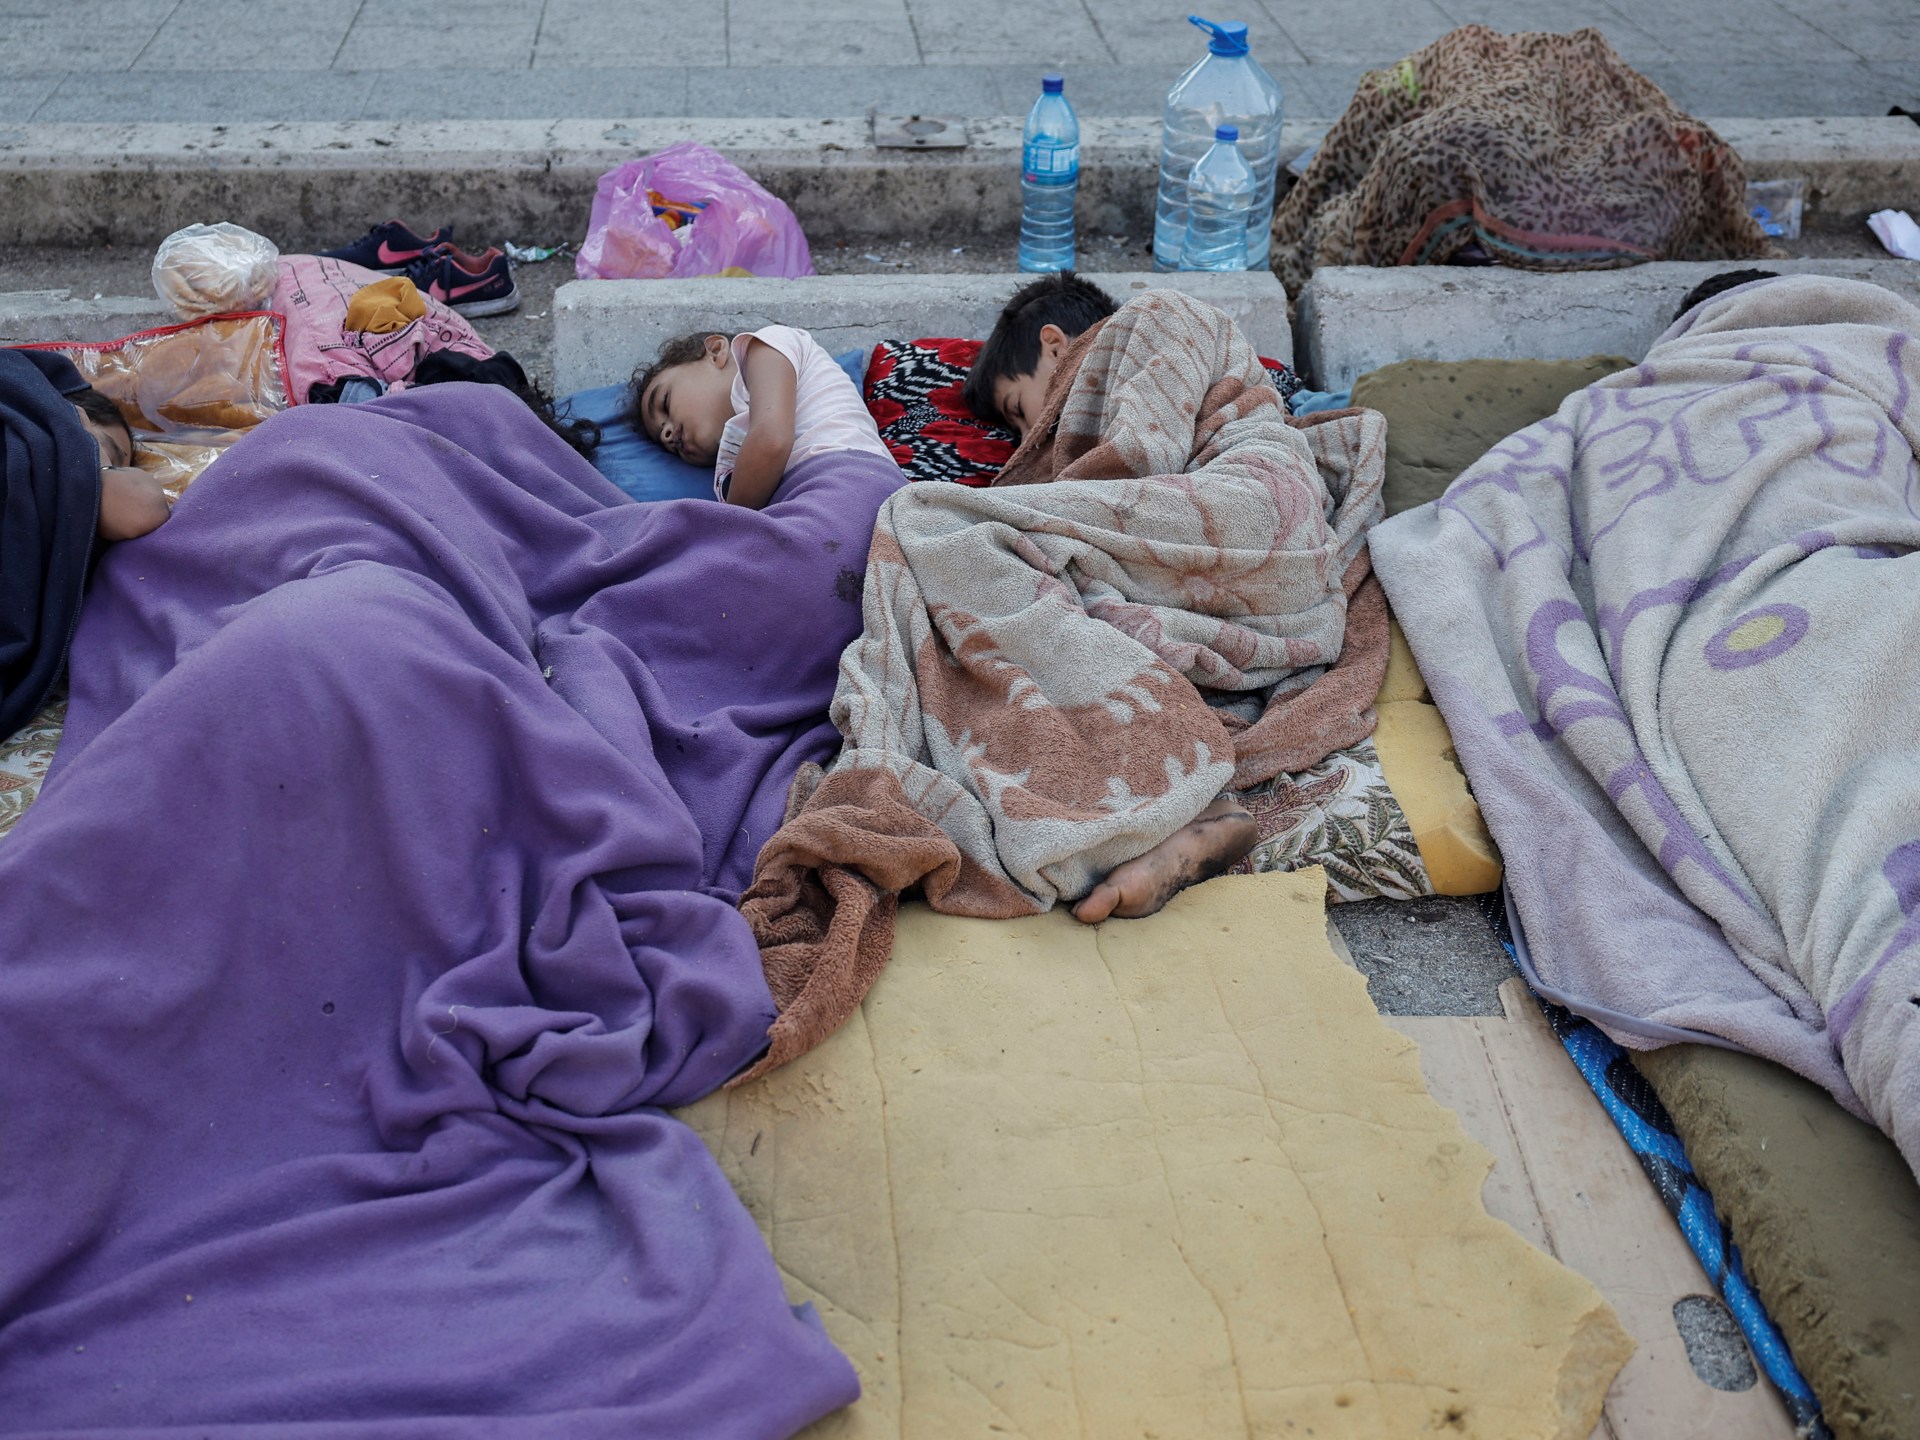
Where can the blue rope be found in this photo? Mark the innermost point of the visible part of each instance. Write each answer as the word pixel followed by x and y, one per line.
pixel 1648 1130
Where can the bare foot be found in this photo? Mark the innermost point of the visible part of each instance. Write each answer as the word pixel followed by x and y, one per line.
pixel 1199 850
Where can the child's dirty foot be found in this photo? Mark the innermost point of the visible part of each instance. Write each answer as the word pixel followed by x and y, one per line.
pixel 1199 850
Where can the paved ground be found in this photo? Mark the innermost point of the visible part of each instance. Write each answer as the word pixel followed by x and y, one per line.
pixel 239 60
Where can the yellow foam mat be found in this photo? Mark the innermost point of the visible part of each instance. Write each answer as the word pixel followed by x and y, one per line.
pixel 1417 757
pixel 1169 1177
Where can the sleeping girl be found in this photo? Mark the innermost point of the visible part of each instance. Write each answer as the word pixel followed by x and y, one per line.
pixel 752 407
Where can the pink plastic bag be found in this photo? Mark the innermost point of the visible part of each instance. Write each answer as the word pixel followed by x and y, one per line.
pixel 684 212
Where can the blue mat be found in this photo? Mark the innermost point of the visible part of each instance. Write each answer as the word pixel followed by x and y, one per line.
pixel 1643 1121
pixel 633 462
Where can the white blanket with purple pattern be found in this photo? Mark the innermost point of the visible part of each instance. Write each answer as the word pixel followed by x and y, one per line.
pixel 1673 631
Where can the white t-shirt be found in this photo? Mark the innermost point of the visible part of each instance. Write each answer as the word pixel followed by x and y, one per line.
pixel 828 413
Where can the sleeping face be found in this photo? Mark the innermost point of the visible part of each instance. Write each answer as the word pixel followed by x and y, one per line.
pixel 115 441
pixel 685 408
pixel 1020 398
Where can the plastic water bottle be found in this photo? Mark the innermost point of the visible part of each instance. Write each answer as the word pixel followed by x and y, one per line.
pixel 1220 194
pixel 1049 179
pixel 1225 87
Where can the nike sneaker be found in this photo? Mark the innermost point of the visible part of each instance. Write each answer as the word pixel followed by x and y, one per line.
pixel 488 291
pixel 391 246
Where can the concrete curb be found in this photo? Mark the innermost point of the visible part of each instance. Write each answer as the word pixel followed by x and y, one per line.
pixel 310 185
pixel 30 316
pixel 602 329
pixel 1353 319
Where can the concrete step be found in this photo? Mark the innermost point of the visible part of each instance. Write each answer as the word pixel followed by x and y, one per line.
pixel 312 185
pixel 28 316
pixel 603 329
pixel 1354 318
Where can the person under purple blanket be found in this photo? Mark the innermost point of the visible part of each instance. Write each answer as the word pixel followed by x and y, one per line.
pixel 380 899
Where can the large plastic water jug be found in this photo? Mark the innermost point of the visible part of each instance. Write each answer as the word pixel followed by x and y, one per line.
pixel 1225 87
pixel 1220 192
pixel 1049 179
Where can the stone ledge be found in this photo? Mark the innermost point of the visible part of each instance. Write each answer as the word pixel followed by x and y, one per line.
pixel 1353 319
pixel 603 328
pixel 310 183
pixel 31 316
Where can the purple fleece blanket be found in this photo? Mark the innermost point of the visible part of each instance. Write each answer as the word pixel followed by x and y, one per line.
pixel 380 896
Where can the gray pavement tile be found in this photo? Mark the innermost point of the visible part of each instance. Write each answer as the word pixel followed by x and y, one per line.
pixel 446 43
pixel 263 35
pixel 238 96
pixel 1870 29
pixel 1765 91
pixel 637 92
pixel 1905 79
pixel 1094 89
pixel 591 33
pixel 777 91
pixel 1752 32
pixel 1371 32
pixel 1163 37
pixel 824 32
pixel 1318 92
pixel 48 36
pixel 1039 34
pixel 1561 16
pixel 21 95
pixel 431 12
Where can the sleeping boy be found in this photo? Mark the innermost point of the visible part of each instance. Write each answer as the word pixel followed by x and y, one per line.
pixel 753 407
pixel 1008 382
pixel 1008 385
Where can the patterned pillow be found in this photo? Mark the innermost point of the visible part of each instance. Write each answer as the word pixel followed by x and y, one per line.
pixel 913 392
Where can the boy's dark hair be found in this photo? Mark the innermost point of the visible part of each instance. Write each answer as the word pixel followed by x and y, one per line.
pixel 681 350
pixel 1719 285
pixel 1013 349
pixel 102 411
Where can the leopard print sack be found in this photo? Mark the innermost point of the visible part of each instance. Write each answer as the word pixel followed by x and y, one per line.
pixel 1548 150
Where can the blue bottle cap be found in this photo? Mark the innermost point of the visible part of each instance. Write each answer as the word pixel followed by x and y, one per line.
pixel 1226 132
pixel 1052 84
pixel 1227 39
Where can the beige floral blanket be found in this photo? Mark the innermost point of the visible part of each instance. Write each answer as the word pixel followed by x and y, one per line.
pixel 1055 677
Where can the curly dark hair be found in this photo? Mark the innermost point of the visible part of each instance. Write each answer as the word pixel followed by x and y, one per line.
pixel 582 434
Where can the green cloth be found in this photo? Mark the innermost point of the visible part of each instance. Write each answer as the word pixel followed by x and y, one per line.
pixel 1827 1215
pixel 1442 415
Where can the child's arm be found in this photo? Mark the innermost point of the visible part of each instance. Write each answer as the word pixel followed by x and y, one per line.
pixel 771 383
pixel 132 503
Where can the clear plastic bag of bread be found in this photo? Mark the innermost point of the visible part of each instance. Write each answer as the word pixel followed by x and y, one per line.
pixel 188 391
pixel 215 270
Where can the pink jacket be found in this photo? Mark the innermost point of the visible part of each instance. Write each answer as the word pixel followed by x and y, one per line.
pixel 313 293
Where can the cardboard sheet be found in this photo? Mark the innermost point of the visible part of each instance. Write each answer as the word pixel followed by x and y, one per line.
pixel 1171 1177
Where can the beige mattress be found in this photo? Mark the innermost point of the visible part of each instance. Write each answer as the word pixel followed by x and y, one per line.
pixel 1171 1177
